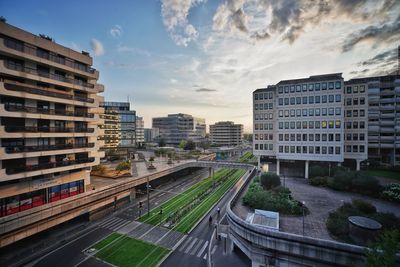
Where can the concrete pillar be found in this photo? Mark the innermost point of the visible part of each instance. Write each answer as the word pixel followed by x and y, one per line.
pixel 259 162
pixel 306 170
pixel 277 167
pixel 358 162
pixel 132 195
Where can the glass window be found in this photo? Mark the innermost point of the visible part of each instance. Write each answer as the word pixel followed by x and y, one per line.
pixel 305 112
pixel 271 105
pixel 292 125
pixel 256 106
pixel 260 106
pixel 270 95
pixel 305 124
pixel 338 111
pixel 317 112
pixel 362 149
pixel 286 101
pixel 311 99
pixel 286 113
pixel 324 111
pixel 292 113
pixel 261 96
pixel 292 89
pixel 323 86
pixel 317 150
pixel 304 100
pixel 355 113
pixel 298 124
pixel 311 112
pixel 286 137
pixel 256 96
pixel 280 101
pixel 292 149
pixel 330 85
pixel 280 137
pixel 286 125
pixel 362 137
pixel 265 95
pixel 362 125
pixel 304 137
pixel 270 116
pixel 348 101
pixel 298 112
pixel 337 137
pixel 331 124
pixel 331 98
pixel 311 125
pixel 286 149
pixel 280 149
pixel 298 88
pixel 280 113
pixel 311 137
pixel 338 98
pixel 324 124
pixel 298 137
pixel 355 101
pixel 317 137
pixel 355 89
pixel 292 101
pixel 304 149
pixel 298 149
pixel 317 124
pixel 331 111
pixel 298 100
pixel 362 88
pixel 304 87
pixel 317 99
pixel 280 89
pixel 349 113
pixel 330 151
pixel 324 137
pixel 362 101
pixel 355 124
pixel 348 125
pixel 286 89
pixel 348 89
pixel 280 125
pixel 311 87
pixel 338 85
pixel 311 149
pixel 266 106
pixel 324 98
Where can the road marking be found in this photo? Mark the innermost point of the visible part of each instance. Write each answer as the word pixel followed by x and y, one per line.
pixel 191 245
pixel 202 249
pixel 186 242
pixel 116 220
pixel 205 256
pixel 214 249
pixel 196 247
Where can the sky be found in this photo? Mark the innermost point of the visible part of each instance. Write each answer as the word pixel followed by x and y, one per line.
pixel 205 58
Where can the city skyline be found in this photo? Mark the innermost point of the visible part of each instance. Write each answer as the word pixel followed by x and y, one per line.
pixel 215 53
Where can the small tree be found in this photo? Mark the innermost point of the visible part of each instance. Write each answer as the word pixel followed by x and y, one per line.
pixel 270 180
pixel 383 253
pixel 182 144
pixel 123 166
pixel 190 145
pixel 100 169
pixel 204 145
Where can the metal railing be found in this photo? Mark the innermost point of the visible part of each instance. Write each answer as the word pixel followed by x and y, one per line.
pixel 19 149
pixel 48 165
pixel 19 108
pixel 47 129
pixel 11 65
pixel 37 91
pixel 49 55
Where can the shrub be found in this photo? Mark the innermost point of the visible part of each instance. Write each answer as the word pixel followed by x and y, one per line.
pixel 365 184
pixel 99 169
pixel 317 170
pixel 318 180
pixel 391 192
pixel 122 166
pixel 270 180
pixel 342 180
pixel 364 206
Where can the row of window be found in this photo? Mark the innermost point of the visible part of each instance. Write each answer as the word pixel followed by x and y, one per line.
pixel 355 149
pixel 264 106
pixel 355 137
pixel 355 125
pixel 309 87
pixel 264 126
pixel 310 137
pixel 355 89
pixel 261 96
pixel 310 149
pixel 354 101
pixel 310 112
pixel 264 147
pixel 266 116
pixel 267 137
pixel 355 113
pixel 310 125
pixel 308 100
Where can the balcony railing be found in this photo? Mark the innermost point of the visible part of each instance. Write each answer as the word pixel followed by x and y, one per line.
pixel 49 56
pixel 34 129
pixel 37 91
pixel 49 165
pixel 18 108
pixel 58 77
pixel 19 149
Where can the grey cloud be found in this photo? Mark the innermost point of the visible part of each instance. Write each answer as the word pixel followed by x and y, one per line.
pixel 389 31
pixel 239 20
pixel 205 90
pixel 382 58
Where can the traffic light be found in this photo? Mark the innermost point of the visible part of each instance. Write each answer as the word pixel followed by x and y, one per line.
pixel 140 204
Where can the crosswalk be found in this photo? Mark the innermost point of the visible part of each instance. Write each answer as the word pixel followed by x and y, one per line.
pixel 196 247
pixel 113 223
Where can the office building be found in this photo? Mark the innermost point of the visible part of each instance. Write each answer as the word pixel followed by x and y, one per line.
pixel 49 112
pixel 226 133
pixel 111 130
pixel 177 127
pixel 151 134
pixel 139 131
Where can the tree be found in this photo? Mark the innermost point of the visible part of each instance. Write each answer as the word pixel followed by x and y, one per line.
pixel 383 253
pixel 161 142
pixel 204 145
pixel 270 180
pixel 182 144
pixel 122 166
pixel 190 145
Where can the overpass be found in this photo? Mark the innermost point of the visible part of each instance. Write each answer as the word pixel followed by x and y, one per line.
pixel 26 223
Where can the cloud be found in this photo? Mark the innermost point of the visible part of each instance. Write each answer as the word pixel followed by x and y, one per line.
pixel 385 57
pixel 174 15
pixel 133 50
pixel 173 81
pixel 205 90
pixel 97 47
pixel 116 31
pixel 375 34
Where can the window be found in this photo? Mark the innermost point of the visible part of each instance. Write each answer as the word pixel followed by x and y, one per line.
pixel 362 101
pixel 355 89
pixel 292 89
pixel 317 112
pixel 286 89
pixel 304 124
pixel 304 149
pixel 280 113
pixel 331 124
pixel 324 124
pixel 355 113
pixel 311 99
pixel 256 146
pixel 362 90
pixel 261 96
pixel 348 125
pixel 355 137
pixel 317 87
pixel 298 124
pixel 362 124
pixel 323 86
pixel 280 137
pixel 362 137
pixel 298 100
pixel 260 106
pixel 280 149
pixel 338 98
pixel 280 125
pixel 338 85
pixel 298 88
pixel 331 98
pixel 280 90
pixel 330 85
pixel 348 148
pixel 255 96
pixel 317 125
pixel 265 96
pixel 317 150
pixel 355 124
pixel 324 99
pixel 292 137
pixel 304 112
pixel 348 137
pixel 270 95
pixel 337 137
pixel 292 101
pixel 337 150
pixel 331 111
pixel 298 112
pixel 298 149
pixel 286 125
pixel 338 111
pixel 270 116
pixel 348 101
pixel 317 99
pixel 311 87
pixel 304 137
pixel 355 148
pixel 298 137
pixel 337 124
pixel 292 149
pixel 330 137
pixel 348 89
pixel 311 137
pixel 311 149
pixel 349 113
pixel 292 125
pixel 266 106
pixel 286 101
pixel 311 124
pixel 324 111
pixel 286 149
pixel 292 113
pixel 311 112
pixel 304 100
pixel 286 137
pixel 271 105
pixel 271 146
pixel 317 137
pixel 330 150
pixel 304 87
pixel 280 101
pixel 362 149
pixel 256 106
pixel 355 101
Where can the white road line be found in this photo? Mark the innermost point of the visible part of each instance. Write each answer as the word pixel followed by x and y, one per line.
pixel 186 242
pixel 205 256
pixel 117 225
pixel 105 221
pixel 112 223
pixel 196 247
pixel 114 219
pixel 214 249
pixel 202 249
pixel 191 245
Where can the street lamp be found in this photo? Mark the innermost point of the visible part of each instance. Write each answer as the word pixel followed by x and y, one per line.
pixel 303 206
pixel 148 196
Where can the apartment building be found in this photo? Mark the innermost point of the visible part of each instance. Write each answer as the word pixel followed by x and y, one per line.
pixel 49 117
pixel 111 129
pixel 299 120
pixel 151 134
pixel 177 127
pixel 226 133
pixel 139 131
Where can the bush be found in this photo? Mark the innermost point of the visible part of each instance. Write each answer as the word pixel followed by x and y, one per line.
pixel 122 166
pixel 365 184
pixel 319 181
pixel 364 206
pixel 270 180
pixel 317 171
pixel 391 192
pixel 99 169
pixel 342 180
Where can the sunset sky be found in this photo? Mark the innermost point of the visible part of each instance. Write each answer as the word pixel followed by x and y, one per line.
pixel 205 58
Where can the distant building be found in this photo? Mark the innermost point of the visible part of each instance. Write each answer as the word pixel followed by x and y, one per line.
pixel 151 134
pixel 111 129
pixel 177 127
pixel 139 131
pixel 49 115
pixel 226 133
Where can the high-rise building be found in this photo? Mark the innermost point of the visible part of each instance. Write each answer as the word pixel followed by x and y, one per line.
pixel 111 129
pixel 49 112
pixel 226 133
pixel 151 134
pixel 139 131
pixel 177 127
pixel 324 119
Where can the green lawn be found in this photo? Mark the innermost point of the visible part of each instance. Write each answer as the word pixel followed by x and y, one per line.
pixel 248 157
pixel 123 251
pixel 384 174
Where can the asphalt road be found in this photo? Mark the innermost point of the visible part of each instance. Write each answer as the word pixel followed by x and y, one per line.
pixel 70 254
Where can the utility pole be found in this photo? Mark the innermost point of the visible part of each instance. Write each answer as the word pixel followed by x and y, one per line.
pixel 148 196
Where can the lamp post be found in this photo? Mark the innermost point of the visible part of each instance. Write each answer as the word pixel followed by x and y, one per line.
pixel 148 196
pixel 303 206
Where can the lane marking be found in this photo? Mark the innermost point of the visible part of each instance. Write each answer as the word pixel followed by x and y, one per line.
pixel 191 245
pixel 196 247
pixel 202 249
pixel 185 243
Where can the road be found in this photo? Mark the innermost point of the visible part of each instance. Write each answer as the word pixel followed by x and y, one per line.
pixel 71 253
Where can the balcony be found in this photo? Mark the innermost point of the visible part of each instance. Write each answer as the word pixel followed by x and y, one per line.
pixel 31 50
pixel 20 87
pixel 49 165
pixel 15 67
pixel 45 129
pixel 16 108
pixel 24 149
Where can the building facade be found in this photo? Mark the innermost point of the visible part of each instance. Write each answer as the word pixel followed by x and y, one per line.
pixel 177 127
pixel 324 119
pixel 226 133
pixel 139 131
pixel 49 117
pixel 151 134
pixel 111 129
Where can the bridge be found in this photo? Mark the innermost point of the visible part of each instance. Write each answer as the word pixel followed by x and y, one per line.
pixel 26 223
